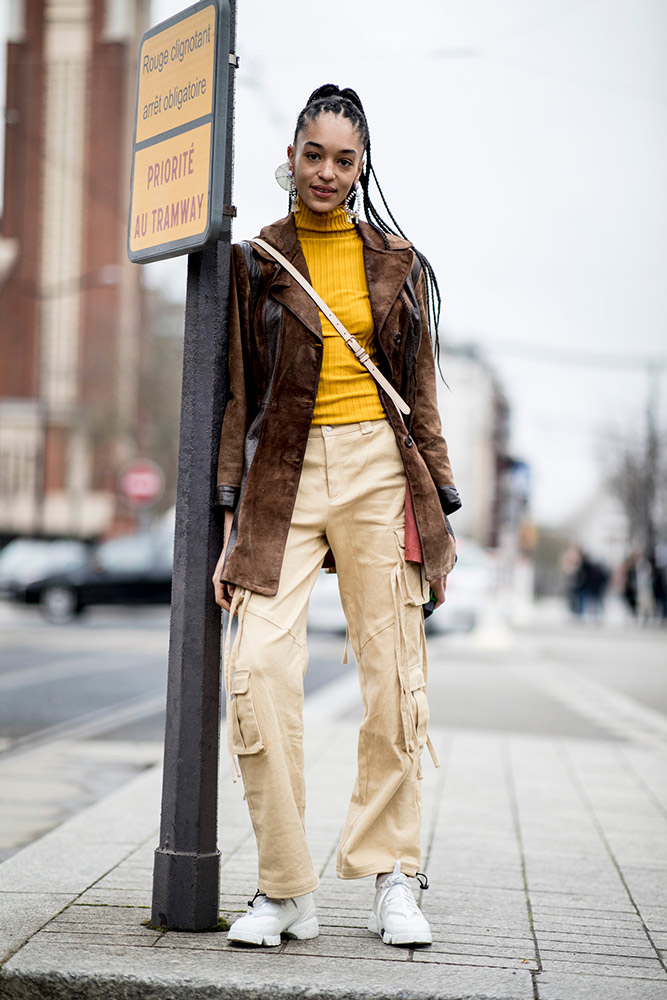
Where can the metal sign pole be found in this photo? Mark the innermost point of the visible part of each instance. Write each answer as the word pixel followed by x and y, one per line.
pixel 186 879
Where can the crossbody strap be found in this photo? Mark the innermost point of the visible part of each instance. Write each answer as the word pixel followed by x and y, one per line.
pixel 351 342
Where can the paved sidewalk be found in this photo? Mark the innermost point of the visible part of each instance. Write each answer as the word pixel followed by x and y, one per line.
pixel 547 860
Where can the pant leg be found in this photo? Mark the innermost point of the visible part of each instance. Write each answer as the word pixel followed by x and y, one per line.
pixel 265 671
pixel 382 597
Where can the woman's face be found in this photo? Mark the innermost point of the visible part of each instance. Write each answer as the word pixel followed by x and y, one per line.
pixel 326 161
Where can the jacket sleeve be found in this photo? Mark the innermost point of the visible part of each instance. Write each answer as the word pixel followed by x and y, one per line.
pixel 235 421
pixel 426 428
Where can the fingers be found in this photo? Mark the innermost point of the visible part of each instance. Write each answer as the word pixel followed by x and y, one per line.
pixel 438 587
pixel 223 592
pixel 226 605
pixel 228 589
pixel 225 599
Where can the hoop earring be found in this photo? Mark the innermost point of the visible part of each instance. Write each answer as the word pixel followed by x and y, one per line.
pixel 351 205
pixel 293 193
pixel 285 178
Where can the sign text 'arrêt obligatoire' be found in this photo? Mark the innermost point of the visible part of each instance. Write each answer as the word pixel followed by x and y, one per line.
pixel 171 177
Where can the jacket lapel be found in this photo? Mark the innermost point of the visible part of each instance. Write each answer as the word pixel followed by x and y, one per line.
pixel 386 271
pixel 284 289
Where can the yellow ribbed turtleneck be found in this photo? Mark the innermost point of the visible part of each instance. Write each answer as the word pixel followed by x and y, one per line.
pixel 335 257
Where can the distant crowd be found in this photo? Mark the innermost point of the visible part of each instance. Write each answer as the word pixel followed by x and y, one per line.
pixel 641 581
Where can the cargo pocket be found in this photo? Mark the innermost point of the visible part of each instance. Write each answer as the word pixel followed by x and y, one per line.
pixel 246 735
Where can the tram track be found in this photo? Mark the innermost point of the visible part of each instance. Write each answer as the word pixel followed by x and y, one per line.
pixel 78 682
pixel 87 726
pixel 58 670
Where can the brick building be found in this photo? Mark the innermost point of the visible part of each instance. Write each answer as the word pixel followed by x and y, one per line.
pixel 72 329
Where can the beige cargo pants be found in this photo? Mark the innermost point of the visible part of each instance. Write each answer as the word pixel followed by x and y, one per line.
pixel 351 497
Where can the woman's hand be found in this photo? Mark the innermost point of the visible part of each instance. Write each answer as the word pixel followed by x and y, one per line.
pixel 439 587
pixel 223 591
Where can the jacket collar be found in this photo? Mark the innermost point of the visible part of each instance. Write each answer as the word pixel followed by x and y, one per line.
pixel 290 294
pixel 386 271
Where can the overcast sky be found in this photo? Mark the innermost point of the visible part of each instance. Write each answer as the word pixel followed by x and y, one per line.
pixel 522 146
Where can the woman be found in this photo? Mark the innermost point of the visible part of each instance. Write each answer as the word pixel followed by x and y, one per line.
pixel 314 462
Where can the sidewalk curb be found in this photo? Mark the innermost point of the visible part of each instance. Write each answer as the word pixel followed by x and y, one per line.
pixel 304 979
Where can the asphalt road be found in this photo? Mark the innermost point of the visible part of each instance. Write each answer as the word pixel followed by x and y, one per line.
pixel 102 676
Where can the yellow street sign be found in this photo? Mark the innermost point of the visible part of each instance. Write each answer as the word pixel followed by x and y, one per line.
pixel 176 75
pixel 178 152
pixel 173 180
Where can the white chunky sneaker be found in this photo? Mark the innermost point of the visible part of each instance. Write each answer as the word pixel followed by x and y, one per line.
pixel 267 919
pixel 395 915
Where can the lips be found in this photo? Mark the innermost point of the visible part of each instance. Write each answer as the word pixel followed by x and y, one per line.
pixel 322 192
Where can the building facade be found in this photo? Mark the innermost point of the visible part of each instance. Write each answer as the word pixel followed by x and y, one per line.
pixel 72 336
pixel 475 418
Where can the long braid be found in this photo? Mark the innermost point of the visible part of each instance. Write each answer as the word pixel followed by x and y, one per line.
pixel 347 102
pixel 434 301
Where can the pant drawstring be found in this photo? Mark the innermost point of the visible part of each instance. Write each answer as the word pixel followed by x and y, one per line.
pixel 402 665
pixel 238 607
pixel 347 642
pixel 408 714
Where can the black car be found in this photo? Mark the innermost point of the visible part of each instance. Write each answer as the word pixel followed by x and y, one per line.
pixel 25 560
pixel 133 569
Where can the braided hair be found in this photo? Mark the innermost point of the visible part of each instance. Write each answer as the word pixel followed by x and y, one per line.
pixel 346 102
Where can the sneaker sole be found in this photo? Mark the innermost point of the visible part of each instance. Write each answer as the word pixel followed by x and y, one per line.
pixel 301 931
pixel 423 938
pixel 406 938
pixel 270 940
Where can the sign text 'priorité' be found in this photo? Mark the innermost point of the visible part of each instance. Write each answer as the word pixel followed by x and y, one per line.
pixel 173 166
pixel 173 177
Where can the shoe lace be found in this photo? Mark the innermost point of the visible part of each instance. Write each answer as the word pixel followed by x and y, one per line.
pixel 423 884
pixel 402 897
pixel 398 897
pixel 251 902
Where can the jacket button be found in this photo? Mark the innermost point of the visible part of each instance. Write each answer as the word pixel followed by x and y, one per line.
pixel 397 338
pixel 408 442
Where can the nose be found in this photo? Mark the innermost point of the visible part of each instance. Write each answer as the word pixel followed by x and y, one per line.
pixel 326 170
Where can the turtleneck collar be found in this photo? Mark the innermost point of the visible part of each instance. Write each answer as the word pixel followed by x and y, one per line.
pixel 335 221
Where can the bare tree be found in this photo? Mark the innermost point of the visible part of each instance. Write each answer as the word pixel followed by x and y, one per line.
pixel 636 474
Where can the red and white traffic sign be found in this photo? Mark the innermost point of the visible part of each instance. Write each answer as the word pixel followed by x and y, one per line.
pixel 142 483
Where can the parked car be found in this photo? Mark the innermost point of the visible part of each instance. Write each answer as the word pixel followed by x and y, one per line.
pixel 470 588
pixel 133 569
pixel 25 560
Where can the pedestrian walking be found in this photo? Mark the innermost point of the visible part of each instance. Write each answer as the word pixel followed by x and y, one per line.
pixel 318 464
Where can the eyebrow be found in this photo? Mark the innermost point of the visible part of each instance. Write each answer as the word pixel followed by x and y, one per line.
pixel 319 145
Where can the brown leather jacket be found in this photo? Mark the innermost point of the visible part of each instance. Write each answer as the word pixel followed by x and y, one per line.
pixel 275 356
